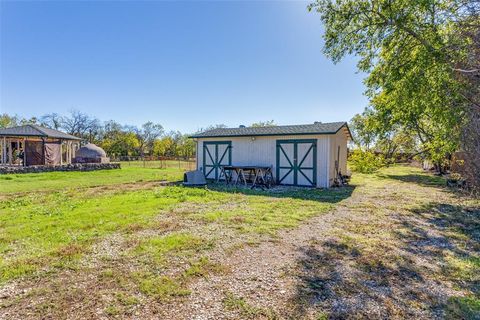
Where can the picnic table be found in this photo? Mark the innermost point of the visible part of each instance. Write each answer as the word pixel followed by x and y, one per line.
pixel 262 175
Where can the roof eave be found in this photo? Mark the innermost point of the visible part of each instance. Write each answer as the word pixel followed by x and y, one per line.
pixel 263 135
pixel 345 125
pixel 22 135
pixel 74 138
pixel 38 136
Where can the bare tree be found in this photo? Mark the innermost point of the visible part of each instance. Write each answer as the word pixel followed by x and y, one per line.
pixel 268 123
pixel 147 135
pixel 469 70
pixel 215 126
pixel 52 120
pixel 81 125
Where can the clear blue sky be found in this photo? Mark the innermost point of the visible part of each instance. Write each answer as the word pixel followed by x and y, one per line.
pixel 185 65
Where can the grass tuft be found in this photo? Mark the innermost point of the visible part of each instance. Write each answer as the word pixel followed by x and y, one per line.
pixel 178 243
pixel 247 311
pixel 463 308
pixel 160 287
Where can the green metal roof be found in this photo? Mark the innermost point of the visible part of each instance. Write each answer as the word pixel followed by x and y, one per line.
pixel 33 130
pixel 302 129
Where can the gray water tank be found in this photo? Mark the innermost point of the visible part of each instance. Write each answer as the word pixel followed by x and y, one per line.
pixel 194 178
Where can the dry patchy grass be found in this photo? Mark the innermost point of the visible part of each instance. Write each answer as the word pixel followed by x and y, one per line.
pixel 406 247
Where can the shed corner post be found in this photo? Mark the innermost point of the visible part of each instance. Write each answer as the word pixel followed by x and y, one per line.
pixel 10 153
pixel 75 148
pixel 18 147
pixel 69 152
pixel 61 152
pixel 24 152
pixel 43 152
pixel 329 162
pixel 196 153
pixel 4 151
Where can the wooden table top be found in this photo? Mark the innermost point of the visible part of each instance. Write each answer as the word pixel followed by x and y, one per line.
pixel 246 167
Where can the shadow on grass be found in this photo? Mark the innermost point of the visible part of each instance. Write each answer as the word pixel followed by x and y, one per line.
pixel 462 218
pixel 410 276
pixel 461 236
pixel 345 283
pixel 455 245
pixel 421 179
pixel 331 195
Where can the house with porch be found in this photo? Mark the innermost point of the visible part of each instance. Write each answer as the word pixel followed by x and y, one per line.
pixel 31 144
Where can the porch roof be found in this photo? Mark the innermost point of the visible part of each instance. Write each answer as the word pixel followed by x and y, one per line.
pixel 32 130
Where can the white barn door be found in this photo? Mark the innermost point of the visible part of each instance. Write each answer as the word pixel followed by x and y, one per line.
pixel 297 162
pixel 215 155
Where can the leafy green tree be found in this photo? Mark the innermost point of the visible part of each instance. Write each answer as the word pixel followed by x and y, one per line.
pixel 366 161
pixel 120 144
pixel 363 132
pixel 7 121
pixel 397 145
pixel 369 133
pixel 164 146
pixel 185 147
pixel 405 48
pixel 118 140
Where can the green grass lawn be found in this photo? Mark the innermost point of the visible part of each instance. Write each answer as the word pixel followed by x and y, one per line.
pixel 54 224
pixel 41 229
pixel 54 181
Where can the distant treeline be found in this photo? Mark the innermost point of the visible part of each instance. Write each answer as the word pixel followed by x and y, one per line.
pixel 117 139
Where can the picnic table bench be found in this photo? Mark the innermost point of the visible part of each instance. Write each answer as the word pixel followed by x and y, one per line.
pixel 262 175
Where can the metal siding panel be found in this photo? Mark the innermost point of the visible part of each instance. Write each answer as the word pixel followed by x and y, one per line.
pixel 339 139
pixel 200 155
pixel 328 163
pixel 333 152
pixel 343 151
pixel 322 161
pixel 197 155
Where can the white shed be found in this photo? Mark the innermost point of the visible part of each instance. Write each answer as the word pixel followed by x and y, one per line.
pixel 300 155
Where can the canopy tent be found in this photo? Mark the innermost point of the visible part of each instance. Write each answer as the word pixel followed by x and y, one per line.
pixel 35 145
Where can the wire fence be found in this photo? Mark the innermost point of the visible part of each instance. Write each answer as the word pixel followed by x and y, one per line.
pixel 157 162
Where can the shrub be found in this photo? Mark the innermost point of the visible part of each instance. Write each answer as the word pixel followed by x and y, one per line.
pixel 366 161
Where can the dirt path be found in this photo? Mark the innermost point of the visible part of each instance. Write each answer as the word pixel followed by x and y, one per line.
pixel 348 263
pixel 263 274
